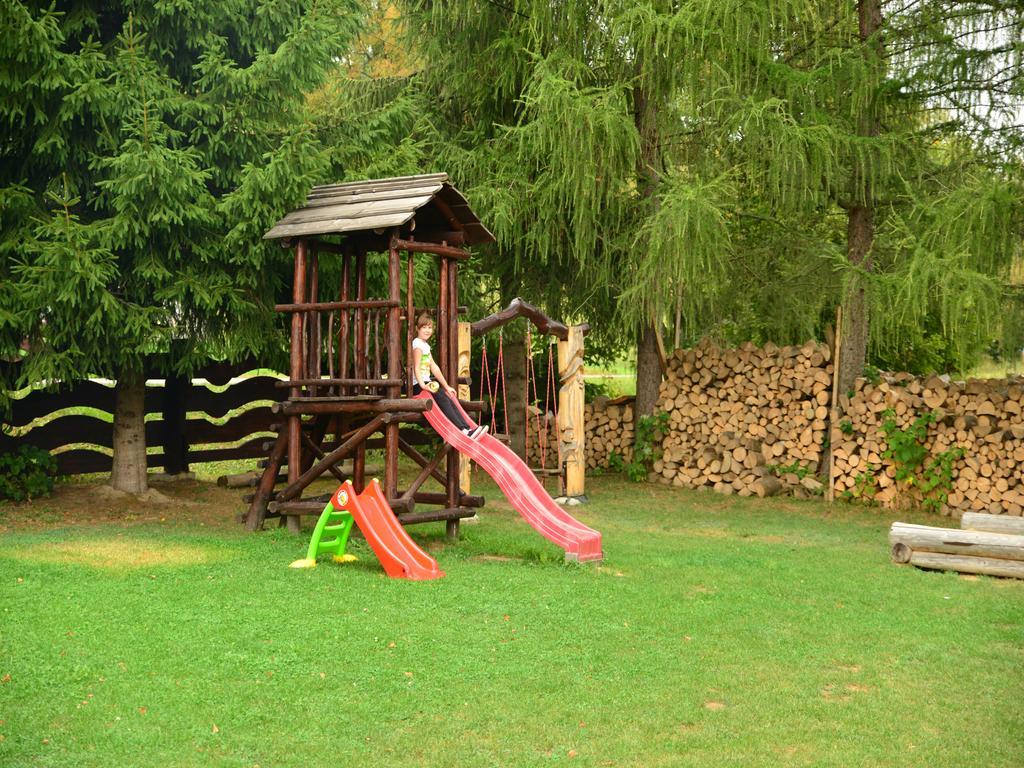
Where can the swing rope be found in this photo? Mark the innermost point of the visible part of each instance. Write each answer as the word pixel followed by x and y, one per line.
pixel 499 381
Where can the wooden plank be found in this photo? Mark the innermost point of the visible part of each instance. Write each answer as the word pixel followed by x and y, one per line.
pixel 339 225
pixel 221 372
pixel 83 394
pixel 370 185
pixel 201 431
pixel 454 513
pixel 218 404
pixel 64 430
pixel 331 198
pixel 341 208
pixel 251 449
pixel 81 461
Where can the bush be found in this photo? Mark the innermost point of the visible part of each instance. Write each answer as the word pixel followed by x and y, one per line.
pixel 27 473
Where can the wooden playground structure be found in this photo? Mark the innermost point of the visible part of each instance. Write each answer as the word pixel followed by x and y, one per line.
pixel 349 384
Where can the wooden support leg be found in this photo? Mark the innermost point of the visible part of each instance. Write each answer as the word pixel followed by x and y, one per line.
pixel 451 530
pixel 258 508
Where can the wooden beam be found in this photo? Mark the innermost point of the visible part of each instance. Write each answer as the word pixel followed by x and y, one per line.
pixel 415 246
pixel 324 306
pixel 306 406
pixel 295 486
pixel 519 308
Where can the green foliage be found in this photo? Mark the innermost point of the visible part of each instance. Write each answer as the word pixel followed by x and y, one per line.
pixel 864 486
pixel 650 431
pixel 846 427
pixel 147 148
pixel 796 468
pixel 27 473
pixel 700 161
pixel 907 449
pixel 872 374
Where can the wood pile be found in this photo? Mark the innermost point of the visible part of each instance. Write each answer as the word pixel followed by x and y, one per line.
pixel 740 418
pixel 985 418
pixel 609 430
pixel 609 425
pixel 987 544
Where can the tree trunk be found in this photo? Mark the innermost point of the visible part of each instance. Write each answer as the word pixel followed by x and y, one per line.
pixel 648 362
pixel 129 468
pixel 648 372
pixel 860 232
pixel 860 225
pixel 515 387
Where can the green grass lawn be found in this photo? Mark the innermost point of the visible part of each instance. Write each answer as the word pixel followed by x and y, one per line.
pixel 718 632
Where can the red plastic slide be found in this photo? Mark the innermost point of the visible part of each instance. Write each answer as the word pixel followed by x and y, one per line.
pixel 398 553
pixel 523 490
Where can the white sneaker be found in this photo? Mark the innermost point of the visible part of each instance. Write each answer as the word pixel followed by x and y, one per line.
pixel 478 432
pixel 467 432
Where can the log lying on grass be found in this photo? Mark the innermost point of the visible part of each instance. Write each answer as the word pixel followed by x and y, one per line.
pixel 979 521
pixel 968 551
pixel 938 561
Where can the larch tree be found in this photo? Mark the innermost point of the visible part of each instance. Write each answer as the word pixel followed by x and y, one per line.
pixel 560 118
pixel 869 111
pixel 146 147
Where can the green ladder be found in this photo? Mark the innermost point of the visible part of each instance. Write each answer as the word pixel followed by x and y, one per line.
pixel 332 522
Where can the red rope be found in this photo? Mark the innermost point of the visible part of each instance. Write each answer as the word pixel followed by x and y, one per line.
pixel 501 378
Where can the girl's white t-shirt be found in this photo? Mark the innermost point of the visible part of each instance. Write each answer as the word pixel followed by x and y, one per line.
pixel 423 372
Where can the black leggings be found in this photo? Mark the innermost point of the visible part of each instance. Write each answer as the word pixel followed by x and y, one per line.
pixel 444 402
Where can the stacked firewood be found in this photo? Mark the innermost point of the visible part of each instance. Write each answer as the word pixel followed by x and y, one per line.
pixel 749 421
pixel 609 430
pixel 983 418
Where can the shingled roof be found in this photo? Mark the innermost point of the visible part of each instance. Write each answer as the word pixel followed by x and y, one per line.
pixel 380 203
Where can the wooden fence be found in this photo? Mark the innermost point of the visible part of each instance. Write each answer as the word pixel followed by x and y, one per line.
pixel 187 419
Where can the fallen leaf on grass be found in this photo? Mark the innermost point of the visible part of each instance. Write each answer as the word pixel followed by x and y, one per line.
pixel 215 728
pixel 714 705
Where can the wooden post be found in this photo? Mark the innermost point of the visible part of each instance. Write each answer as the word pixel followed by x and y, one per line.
pixel 359 460
pixel 450 370
pixel 343 325
pixel 465 341
pixel 394 341
pixel 296 372
pixel 835 402
pixel 175 438
pixel 410 322
pixel 313 323
pixel 571 422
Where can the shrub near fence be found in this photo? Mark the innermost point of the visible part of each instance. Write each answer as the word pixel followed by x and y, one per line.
pixel 202 418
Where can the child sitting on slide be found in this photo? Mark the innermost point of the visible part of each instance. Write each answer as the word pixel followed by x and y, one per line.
pixel 423 367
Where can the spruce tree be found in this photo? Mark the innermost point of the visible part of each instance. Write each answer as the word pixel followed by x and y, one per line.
pixel 146 148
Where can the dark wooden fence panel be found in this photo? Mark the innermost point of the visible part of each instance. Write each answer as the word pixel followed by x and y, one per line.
pixel 81 442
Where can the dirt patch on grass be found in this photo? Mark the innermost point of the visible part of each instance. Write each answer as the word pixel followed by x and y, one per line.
pixel 82 504
pixel 495 559
pixel 117 554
